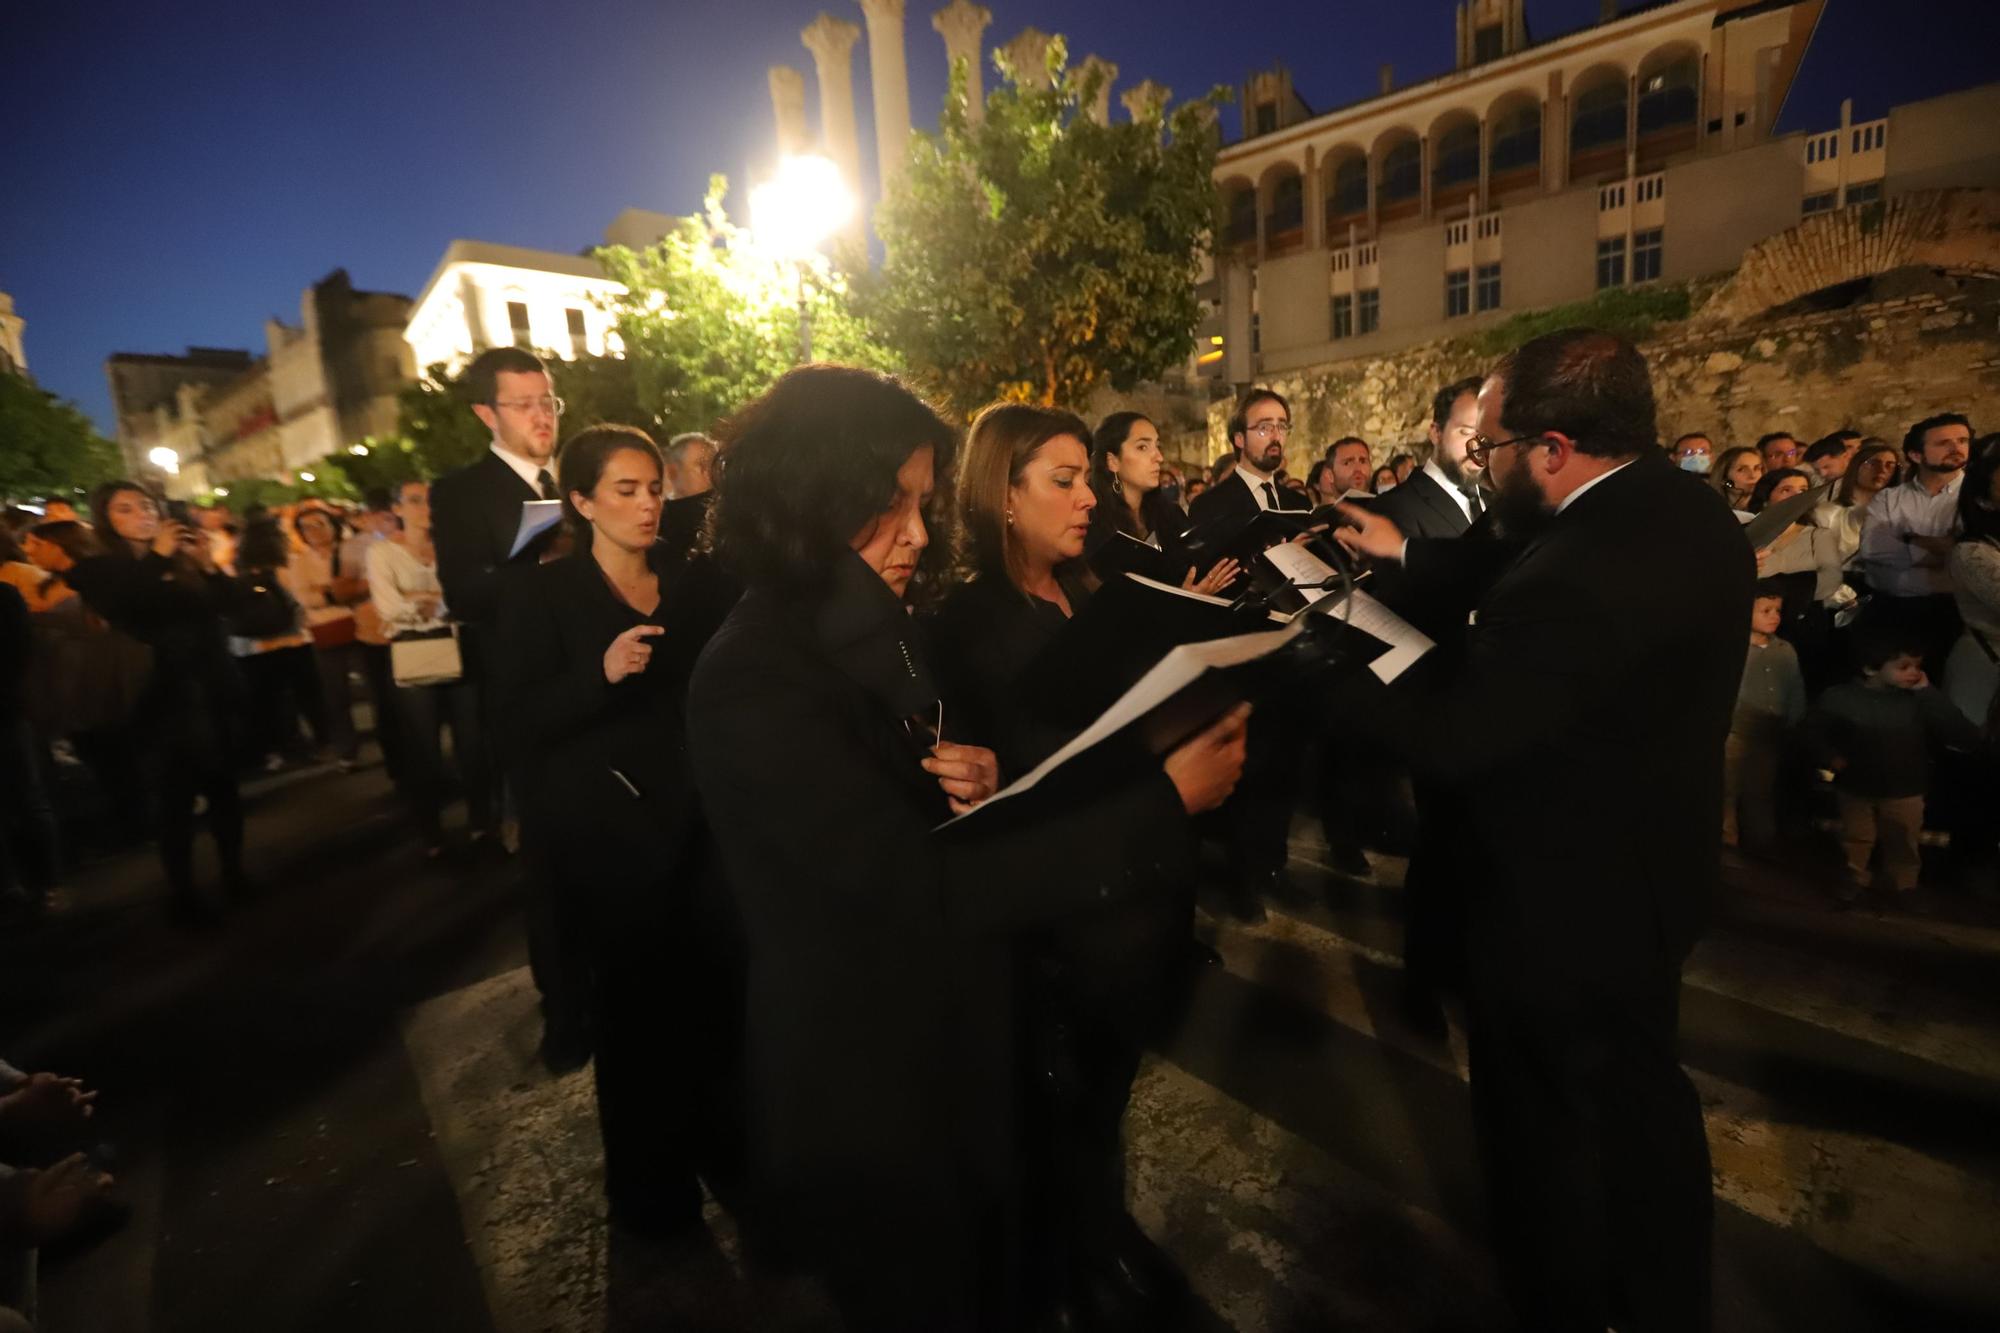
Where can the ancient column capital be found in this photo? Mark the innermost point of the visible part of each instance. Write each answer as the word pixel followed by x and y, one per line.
pixel 1146 99
pixel 962 23
pixel 1028 58
pixel 830 40
pixel 1106 74
pixel 882 11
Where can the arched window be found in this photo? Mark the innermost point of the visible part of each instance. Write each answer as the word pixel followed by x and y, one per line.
pixel 1402 173
pixel 1455 157
pixel 1600 117
pixel 1288 208
pixel 1243 216
pixel 1349 194
pixel 1668 96
pixel 1517 139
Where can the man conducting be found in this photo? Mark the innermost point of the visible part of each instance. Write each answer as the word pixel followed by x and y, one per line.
pixel 1587 724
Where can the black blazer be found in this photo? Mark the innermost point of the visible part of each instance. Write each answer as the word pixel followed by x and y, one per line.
pixel 475 513
pixel 607 803
pixel 881 1062
pixel 1227 501
pixel 177 612
pixel 1422 511
pixel 1588 725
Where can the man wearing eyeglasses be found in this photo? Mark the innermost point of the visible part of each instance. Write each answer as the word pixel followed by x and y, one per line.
pixel 1258 430
pixel 1588 725
pixel 475 514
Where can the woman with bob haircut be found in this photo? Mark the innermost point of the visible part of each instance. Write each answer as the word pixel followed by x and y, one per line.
pixel 880 1057
pixel 1095 984
pixel 595 649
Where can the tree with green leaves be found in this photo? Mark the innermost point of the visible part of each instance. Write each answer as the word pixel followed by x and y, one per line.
pixel 709 319
pixel 47 445
pixel 1036 254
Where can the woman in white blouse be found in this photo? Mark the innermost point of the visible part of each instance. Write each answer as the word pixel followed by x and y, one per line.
pixel 328 588
pixel 403 583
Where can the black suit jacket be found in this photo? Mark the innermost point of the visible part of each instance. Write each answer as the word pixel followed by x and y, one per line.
pixel 475 513
pixel 1228 501
pixel 607 803
pixel 1587 730
pixel 881 1060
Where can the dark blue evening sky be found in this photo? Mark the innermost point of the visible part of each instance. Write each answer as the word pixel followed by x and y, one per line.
pixel 174 173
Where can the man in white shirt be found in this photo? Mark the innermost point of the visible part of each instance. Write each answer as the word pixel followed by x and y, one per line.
pixel 1906 537
pixel 1259 430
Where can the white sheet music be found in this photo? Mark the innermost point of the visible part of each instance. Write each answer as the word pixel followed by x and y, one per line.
pixel 1406 642
pixel 1171 674
pixel 1299 565
pixel 537 517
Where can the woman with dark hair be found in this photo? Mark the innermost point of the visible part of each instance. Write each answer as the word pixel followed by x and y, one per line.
pixel 1383 481
pixel 881 1058
pixel 1735 474
pixel 1126 470
pixel 268 637
pixel 156 583
pixel 1777 486
pixel 594 654
pixel 1805 564
pixel 1321 488
pixel 1095 984
pixel 1401 465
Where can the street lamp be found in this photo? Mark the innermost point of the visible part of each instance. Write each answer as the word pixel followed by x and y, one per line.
pixel 793 213
pixel 165 459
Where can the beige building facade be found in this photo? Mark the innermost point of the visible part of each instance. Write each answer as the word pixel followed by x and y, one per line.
pixel 484 295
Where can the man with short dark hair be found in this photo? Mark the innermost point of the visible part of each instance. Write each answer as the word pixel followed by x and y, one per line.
pixel 1602 671
pixel 1778 449
pixel 1350 458
pixel 1906 538
pixel 1692 452
pixel 475 514
pixel 1829 455
pixel 1258 431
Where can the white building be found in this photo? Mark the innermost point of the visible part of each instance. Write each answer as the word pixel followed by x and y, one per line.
pixel 484 295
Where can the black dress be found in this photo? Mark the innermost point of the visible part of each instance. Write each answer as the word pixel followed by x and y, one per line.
pixel 1096 985
pixel 881 1069
pixel 611 825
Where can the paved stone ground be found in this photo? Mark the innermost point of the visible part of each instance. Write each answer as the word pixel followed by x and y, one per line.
pixel 328 1116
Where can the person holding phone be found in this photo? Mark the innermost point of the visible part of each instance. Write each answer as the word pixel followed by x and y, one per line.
pixel 591 671
pixel 157 582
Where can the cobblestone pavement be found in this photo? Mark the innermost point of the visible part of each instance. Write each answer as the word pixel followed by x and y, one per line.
pixel 328 1115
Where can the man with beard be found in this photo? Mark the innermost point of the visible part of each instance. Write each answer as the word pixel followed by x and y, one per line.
pixel 1257 817
pixel 1258 430
pixel 1906 539
pixel 1588 721
pixel 1349 457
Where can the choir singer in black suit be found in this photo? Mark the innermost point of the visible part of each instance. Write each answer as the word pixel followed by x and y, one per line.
pixel 1258 430
pixel 475 516
pixel 1096 984
pixel 881 1056
pixel 591 674
pixel 1587 729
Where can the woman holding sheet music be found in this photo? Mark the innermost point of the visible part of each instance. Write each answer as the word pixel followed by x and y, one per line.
pixel 1095 984
pixel 881 1056
pixel 1126 469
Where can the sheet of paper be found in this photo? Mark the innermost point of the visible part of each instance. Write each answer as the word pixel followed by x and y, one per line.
pixel 1188 593
pixel 1301 566
pixel 1169 676
pixel 537 517
pixel 1406 642
pixel 1764 528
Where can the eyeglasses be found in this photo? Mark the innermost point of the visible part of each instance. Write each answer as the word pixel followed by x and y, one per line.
pixel 1480 448
pixel 546 403
pixel 1264 430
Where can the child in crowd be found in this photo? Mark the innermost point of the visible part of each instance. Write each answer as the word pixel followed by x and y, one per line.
pixel 1770 701
pixel 1876 733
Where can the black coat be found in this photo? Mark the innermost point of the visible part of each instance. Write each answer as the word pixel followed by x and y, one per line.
pixel 194 691
pixel 606 798
pixel 1421 511
pixel 475 513
pixel 1227 501
pixel 1588 724
pixel 880 1050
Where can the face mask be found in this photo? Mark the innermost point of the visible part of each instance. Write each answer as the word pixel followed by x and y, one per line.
pixel 1385 488
pixel 1695 462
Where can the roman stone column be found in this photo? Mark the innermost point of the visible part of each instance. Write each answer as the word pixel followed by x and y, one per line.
pixel 1099 109
pixel 788 106
pixel 963 24
pixel 1029 56
pixel 831 42
pixel 889 78
pixel 1146 99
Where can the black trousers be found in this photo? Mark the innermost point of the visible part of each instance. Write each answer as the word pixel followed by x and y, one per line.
pixel 1434 899
pixel 650 1085
pixel 1593 1149
pixel 30 838
pixel 424 710
pixel 284 688
pixel 381 677
pixel 191 756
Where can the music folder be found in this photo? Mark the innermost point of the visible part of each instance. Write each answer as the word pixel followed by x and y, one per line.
pixel 1122 553
pixel 537 517
pixel 1768 526
pixel 1185 691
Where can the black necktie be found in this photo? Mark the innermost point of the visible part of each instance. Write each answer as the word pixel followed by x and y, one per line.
pixel 546 484
pixel 1270 496
pixel 1472 495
